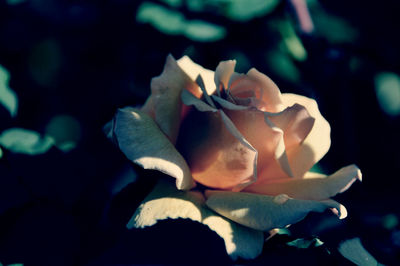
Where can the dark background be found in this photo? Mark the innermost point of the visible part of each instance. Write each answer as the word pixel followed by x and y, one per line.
pixel 81 60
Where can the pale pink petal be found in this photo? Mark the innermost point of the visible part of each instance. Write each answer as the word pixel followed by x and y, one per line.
pixel 265 137
pixel 271 94
pixel 164 104
pixel 296 124
pixel 264 213
pixel 142 141
pixel 165 202
pixel 316 188
pixel 317 142
pixel 223 73
pixel 193 70
pixel 217 154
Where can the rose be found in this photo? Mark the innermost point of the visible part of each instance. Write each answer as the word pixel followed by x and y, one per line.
pixel 250 145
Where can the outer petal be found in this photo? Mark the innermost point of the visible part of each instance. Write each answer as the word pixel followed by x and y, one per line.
pixel 311 188
pixel 193 70
pixel 166 202
pixel 164 104
pixel 141 140
pixel 318 141
pixel 266 212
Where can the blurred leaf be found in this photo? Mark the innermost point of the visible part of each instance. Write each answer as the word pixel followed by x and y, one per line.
pixel 387 88
pixel 283 65
pixel 317 169
pixel 25 141
pixel 335 29
pixel 15 2
pixel 198 30
pixel 173 3
pixel 354 251
pixel 291 41
pixel 8 98
pixel 174 23
pixel 305 243
pixel 390 221
pixel 1 155
pixel 65 130
pixel 243 10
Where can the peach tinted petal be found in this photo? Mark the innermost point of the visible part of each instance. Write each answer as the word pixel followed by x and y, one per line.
pixel 165 202
pixel 218 155
pixel 164 104
pixel 317 142
pixel 223 72
pixel 142 141
pixel 296 124
pixel 264 213
pixel 193 70
pixel 265 137
pixel 310 188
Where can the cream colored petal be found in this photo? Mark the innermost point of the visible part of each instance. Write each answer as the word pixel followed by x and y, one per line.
pixel 264 213
pixel 193 70
pixel 271 94
pixel 141 140
pixel 310 188
pixel 318 141
pixel 223 73
pixel 218 155
pixel 165 202
pixel 164 104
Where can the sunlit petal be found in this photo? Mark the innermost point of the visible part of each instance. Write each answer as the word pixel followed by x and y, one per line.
pixel 141 140
pixel 223 72
pixel 316 188
pixel 165 202
pixel 317 142
pixel 266 212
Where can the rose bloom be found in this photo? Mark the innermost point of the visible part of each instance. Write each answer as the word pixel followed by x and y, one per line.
pixel 250 146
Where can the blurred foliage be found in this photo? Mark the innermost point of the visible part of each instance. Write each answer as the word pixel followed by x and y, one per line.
pixel 353 250
pixel 8 98
pixel 25 141
pixel 387 87
pixel 305 243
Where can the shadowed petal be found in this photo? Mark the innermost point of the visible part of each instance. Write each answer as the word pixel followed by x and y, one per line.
pixel 141 140
pixel 164 105
pixel 266 212
pixel 317 142
pixel 316 188
pixel 165 202
pixel 193 70
pixel 218 155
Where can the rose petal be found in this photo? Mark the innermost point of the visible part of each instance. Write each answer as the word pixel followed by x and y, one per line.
pixel 141 140
pixel 310 188
pixel 264 213
pixel 296 124
pixel 216 152
pixel 316 144
pixel 193 70
pixel 266 90
pixel 265 137
pixel 166 202
pixel 223 73
pixel 164 104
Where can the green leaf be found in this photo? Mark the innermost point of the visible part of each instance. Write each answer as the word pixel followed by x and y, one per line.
pixel 283 65
pixel 15 2
pixel 198 30
pixel 174 23
pixel 173 3
pixel 290 41
pixel 1 155
pixel 387 88
pixel 354 251
pixel 25 141
pixel 65 130
pixel 244 10
pixel 305 243
pixel 7 96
